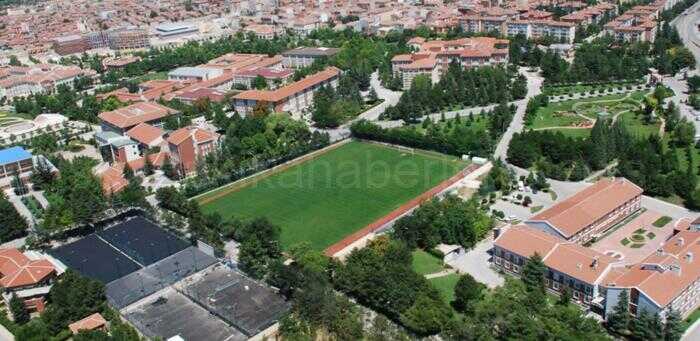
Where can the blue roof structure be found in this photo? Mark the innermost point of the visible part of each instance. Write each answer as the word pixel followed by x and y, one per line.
pixel 13 154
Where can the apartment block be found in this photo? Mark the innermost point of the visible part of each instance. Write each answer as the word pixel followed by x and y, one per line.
pixel 294 98
pixel 22 81
pixel 434 57
pixel 305 56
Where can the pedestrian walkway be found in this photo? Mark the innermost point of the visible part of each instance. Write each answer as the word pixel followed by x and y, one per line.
pixel 442 273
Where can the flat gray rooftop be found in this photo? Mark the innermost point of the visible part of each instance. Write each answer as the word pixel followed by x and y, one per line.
pixel 246 304
pixel 312 51
pixel 170 313
pixel 137 285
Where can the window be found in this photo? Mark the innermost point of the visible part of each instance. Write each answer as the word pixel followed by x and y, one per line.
pixel 516 268
pixel 498 260
pixel 576 295
pixel 555 285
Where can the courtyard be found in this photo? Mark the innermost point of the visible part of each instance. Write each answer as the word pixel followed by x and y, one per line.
pixel 634 239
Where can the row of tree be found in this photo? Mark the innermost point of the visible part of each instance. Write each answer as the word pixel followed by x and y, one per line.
pixel 459 136
pixel 457 87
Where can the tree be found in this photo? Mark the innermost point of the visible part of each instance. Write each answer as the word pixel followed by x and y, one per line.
pixel 14 61
pixel 259 82
pixel 533 276
pixel 619 320
pixel 148 168
pixel 42 175
pixel 168 169
pixel 20 314
pixel 673 329
pixel 527 201
pixel 19 186
pixel 259 247
pixel 128 172
pixel 427 315
pixel 372 96
pixel 13 224
pixel 467 292
pixel 565 296
pixel 261 109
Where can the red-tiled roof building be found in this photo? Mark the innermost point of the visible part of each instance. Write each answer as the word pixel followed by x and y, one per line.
pixel 123 119
pixel 188 145
pixel 434 57
pixel 27 278
pixel 92 322
pixel 590 212
pixel 292 98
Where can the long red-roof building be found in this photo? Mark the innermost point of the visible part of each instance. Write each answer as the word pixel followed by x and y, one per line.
pixel 666 280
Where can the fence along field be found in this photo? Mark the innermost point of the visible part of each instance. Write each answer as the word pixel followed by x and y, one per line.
pixel 329 197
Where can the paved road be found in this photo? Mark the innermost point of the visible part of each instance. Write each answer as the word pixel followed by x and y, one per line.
pixel 390 99
pixel 680 97
pixel 534 88
pixel 686 23
pixel 5 334
pixel 693 333
pixel 476 263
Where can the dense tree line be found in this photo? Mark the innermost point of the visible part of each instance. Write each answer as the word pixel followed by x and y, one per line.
pixel 457 87
pixel 562 157
pixel 520 310
pixel 251 144
pixel 380 276
pixel 455 137
pixel 208 227
pixel 448 221
pixel 670 56
pixel 600 60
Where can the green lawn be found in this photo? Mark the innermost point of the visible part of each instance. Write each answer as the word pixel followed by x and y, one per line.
pixel 323 200
pixel 551 116
pixel 661 222
pixel 446 286
pixel 637 126
pixel 151 76
pixel 425 263
pixel 694 316
pixel 476 124
pixel 575 133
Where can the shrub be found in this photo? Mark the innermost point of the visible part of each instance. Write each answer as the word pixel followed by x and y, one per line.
pixel 661 222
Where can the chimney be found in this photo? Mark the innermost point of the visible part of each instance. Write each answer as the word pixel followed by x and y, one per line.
pixel 579 266
pixel 680 241
pixel 594 264
pixel 659 252
pixel 689 257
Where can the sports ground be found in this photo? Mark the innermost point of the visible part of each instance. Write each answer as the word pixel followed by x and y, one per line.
pixel 336 193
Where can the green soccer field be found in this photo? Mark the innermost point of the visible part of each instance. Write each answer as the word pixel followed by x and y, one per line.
pixel 325 199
